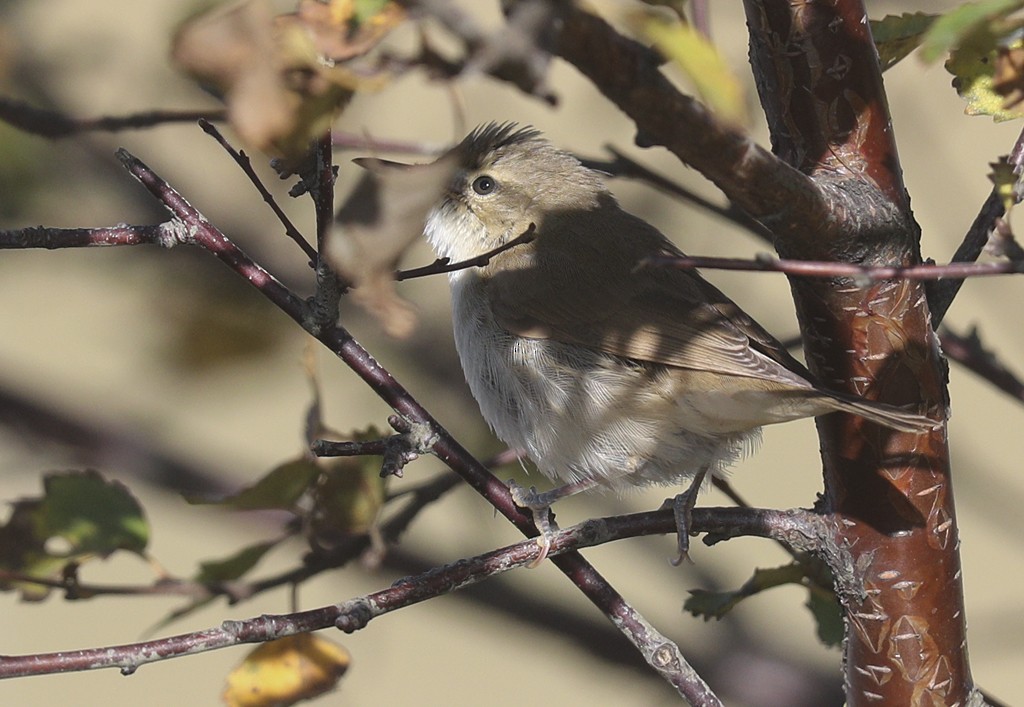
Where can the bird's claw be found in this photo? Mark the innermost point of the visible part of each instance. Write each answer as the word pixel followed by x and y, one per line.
pixel 541 511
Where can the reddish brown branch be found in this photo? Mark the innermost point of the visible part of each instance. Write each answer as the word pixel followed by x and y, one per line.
pixel 821 269
pixel 750 176
pixel 167 234
pixel 820 85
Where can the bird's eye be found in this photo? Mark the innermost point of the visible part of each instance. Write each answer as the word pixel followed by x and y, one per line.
pixel 484 184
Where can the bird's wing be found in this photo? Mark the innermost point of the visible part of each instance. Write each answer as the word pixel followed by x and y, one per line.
pixel 670 317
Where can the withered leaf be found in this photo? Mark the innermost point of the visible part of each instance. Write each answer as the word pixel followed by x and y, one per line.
pixel 380 219
pixel 1008 80
pixel 286 671
pixel 281 75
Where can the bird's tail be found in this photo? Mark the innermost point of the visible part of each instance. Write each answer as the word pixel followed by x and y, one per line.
pixel 891 416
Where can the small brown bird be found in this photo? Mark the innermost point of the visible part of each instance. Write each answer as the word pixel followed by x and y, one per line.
pixel 604 373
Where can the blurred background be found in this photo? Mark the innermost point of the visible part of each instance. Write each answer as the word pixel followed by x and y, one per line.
pixel 163 369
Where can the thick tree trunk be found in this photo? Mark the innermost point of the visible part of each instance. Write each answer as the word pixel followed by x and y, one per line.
pixel 890 493
pixel 833 190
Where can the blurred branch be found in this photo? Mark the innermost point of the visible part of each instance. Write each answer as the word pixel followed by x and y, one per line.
pixel 623 166
pixel 94 443
pixel 628 74
pixel 969 352
pixel 367 143
pixel 52 124
pixel 519 53
pixel 942 294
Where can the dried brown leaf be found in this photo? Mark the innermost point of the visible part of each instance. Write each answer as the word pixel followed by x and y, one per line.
pixel 1008 80
pixel 382 216
pixel 281 76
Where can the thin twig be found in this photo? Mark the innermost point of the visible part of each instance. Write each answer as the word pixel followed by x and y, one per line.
pixel 942 294
pixel 356 613
pixel 443 265
pixel 826 269
pixel 243 161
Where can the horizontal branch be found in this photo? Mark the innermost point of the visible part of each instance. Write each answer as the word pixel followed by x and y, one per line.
pixel 167 234
pixel 796 526
pixel 819 268
pixel 52 124
pixel 444 265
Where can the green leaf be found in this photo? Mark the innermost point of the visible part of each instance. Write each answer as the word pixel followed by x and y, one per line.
pixel 715 605
pixel 1004 179
pixel 827 615
pixel 896 36
pixel 364 10
pixel 94 515
pixel 700 60
pixel 234 566
pixel 279 489
pixel 954 27
pixel 973 68
pixel 347 500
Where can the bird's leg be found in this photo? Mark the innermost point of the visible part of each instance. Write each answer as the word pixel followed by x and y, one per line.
pixel 682 507
pixel 539 504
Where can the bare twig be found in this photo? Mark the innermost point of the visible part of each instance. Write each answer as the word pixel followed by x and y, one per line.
pixel 942 294
pixel 243 161
pixel 798 526
pixel 412 440
pixel 52 124
pixel 826 269
pixel 443 265
pixel 167 234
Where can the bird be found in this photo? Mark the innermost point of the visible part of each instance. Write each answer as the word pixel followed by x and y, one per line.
pixel 605 373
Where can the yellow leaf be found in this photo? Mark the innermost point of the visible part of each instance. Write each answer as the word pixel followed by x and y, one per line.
pixel 285 671
pixel 1005 181
pixel 700 60
pixel 973 67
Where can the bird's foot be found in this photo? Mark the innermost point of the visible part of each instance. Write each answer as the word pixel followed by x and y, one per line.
pixel 682 508
pixel 539 506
